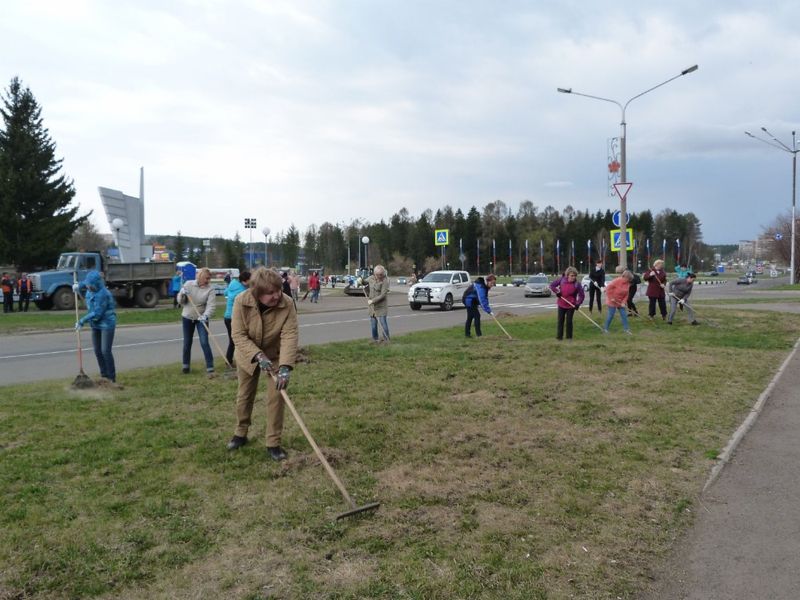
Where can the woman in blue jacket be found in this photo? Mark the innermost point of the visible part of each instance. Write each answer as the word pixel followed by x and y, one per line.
pixel 235 287
pixel 103 319
pixel 477 295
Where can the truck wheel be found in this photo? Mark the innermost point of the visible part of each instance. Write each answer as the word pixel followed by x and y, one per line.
pixel 415 305
pixel 146 297
pixel 43 304
pixel 64 299
pixel 448 302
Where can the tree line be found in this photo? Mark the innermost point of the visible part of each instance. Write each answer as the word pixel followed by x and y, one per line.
pixel 38 221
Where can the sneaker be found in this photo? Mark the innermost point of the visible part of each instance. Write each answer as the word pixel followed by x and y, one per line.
pixel 276 453
pixel 669 322
pixel 605 330
pixel 628 332
pixel 695 323
pixel 211 375
pixel 185 370
pixel 236 442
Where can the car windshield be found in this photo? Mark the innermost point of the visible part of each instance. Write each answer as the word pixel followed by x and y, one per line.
pixel 437 278
pixel 537 279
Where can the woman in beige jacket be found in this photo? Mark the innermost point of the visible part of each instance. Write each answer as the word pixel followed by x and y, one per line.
pixel 265 334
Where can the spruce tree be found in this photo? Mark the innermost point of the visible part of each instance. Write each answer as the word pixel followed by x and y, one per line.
pixel 36 219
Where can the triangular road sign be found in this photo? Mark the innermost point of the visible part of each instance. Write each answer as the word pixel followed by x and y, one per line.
pixel 622 189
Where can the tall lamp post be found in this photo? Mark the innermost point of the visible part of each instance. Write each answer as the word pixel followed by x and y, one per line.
pixel 250 224
pixel 365 241
pixel 266 232
pixel 623 215
pixel 776 143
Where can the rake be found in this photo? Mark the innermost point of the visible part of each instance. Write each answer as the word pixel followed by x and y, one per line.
pixel 354 508
pixel 82 380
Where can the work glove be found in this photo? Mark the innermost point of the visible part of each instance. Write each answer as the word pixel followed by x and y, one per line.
pixel 76 287
pixel 359 281
pixel 202 319
pixel 603 289
pixel 78 325
pixel 558 294
pixel 369 302
pixel 681 301
pixel 283 377
pixel 264 362
pixel 488 311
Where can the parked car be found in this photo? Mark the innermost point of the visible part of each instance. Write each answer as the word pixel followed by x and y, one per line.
pixel 537 285
pixel 711 274
pixel 443 288
pixel 746 280
pixel 518 281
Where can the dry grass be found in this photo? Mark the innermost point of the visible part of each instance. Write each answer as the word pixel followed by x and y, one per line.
pixel 536 469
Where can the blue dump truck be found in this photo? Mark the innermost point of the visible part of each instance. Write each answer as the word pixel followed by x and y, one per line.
pixel 132 284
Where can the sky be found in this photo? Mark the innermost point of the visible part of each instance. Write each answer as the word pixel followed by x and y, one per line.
pixel 299 112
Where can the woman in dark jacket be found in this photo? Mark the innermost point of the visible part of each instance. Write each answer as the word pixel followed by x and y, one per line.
pixel 478 295
pixel 570 297
pixel 656 279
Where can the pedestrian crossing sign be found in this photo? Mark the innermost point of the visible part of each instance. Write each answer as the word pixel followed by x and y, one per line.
pixel 441 237
pixel 615 235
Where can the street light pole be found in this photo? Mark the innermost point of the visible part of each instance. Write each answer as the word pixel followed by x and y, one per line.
pixel 266 232
pixel 776 143
pixel 623 215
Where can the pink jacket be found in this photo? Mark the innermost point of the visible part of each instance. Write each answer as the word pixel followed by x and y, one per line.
pixel 617 292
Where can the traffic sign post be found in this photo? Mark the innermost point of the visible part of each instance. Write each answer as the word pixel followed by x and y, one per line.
pixel 615 239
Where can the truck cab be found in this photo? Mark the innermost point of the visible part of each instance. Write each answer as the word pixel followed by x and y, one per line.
pixel 53 289
pixel 140 284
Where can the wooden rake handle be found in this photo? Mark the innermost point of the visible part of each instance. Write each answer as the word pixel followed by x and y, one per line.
pixel 311 441
pixel 208 331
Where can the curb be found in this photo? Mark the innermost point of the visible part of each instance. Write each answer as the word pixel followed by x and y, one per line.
pixel 739 434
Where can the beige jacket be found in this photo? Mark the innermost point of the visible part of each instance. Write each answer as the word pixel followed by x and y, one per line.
pixel 378 292
pixel 204 299
pixel 274 332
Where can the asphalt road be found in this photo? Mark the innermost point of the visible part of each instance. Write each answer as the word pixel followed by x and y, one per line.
pixel 52 355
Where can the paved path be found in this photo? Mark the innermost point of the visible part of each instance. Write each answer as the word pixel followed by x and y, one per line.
pixel 745 542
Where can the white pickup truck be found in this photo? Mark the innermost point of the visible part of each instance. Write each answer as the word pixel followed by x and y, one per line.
pixel 443 288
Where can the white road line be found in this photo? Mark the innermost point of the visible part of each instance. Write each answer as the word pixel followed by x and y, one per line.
pixel 325 323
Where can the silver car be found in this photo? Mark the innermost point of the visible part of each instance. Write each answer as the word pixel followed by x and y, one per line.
pixel 537 285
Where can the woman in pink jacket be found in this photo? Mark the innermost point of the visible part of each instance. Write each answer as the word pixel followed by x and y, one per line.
pixel 617 300
pixel 570 296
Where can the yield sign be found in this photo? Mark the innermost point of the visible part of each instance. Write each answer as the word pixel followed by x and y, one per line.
pixel 622 189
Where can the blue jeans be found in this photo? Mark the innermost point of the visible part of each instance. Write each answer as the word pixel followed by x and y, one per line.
pixel 623 314
pixel 384 324
pixel 102 340
pixel 188 333
pixel 315 296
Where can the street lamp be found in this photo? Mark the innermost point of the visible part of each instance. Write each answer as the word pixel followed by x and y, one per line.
pixel 623 215
pixel 266 231
pixel 250 224
pixel 117 224
pixel 365 241
pixel 776 143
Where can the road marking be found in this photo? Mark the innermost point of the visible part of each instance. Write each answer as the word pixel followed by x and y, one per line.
pixel 325 323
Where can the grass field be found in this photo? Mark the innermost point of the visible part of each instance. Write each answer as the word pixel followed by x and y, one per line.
pixel 506 469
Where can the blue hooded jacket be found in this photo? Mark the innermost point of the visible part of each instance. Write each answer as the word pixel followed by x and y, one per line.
pixel 235 287
pixel 480 294
pixel 99 303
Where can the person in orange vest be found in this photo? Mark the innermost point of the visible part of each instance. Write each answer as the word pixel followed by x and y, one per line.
pixel 7 285
pixel 24 289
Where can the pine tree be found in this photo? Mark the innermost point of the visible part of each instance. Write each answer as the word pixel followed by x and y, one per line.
pixel 36 219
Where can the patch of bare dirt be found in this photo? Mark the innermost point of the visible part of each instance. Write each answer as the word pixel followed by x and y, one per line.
pixel 302 355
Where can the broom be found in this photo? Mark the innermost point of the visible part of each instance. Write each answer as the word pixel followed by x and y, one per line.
pixel 82 381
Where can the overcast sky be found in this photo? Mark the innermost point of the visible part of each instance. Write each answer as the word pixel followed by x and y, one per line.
pixel 305 112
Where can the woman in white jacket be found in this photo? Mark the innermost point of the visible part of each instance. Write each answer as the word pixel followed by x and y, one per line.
pixel 198 299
